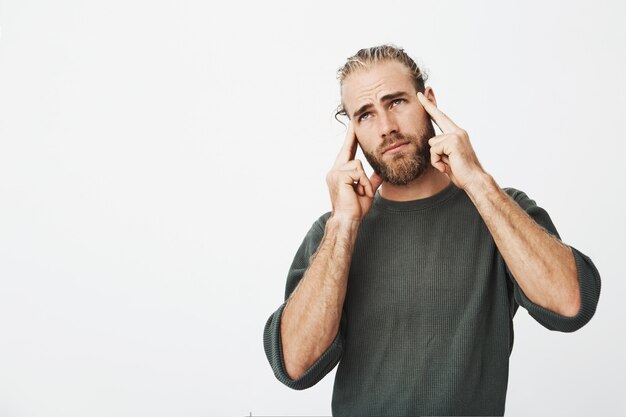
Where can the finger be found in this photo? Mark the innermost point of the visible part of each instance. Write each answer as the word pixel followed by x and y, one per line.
pixel 435 140
pixel 436 159
pixel 357 175
pixel 364 182
pixel 348 150
pixel 352 165
pixel 376 180
pixel 369 188
pixel 444 122
pixel 354 173
pixel 445 164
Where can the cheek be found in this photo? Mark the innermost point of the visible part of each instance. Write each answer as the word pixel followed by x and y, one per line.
pixel 419 114
pixel 366 146
pixel 363 136
pixel 419 118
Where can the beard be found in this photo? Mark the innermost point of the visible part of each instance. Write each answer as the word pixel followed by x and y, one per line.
pixel 404 166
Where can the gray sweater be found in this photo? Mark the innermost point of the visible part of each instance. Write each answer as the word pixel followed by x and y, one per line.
pixel 427 322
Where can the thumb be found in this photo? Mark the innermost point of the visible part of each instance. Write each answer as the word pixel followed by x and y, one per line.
pixel 376 181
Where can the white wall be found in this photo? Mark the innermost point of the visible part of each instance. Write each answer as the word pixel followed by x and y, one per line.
pixel 161 161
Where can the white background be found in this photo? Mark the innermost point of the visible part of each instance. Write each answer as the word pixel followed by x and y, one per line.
pixel 161 161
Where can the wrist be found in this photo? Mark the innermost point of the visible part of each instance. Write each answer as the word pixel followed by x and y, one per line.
pixel 343 222
pixel 482 183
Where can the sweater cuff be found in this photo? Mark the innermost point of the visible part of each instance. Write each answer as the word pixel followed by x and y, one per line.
pixel 589 282
pixel 274 351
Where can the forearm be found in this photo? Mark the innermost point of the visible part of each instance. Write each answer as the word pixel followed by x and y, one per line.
pixel 543 266
pixel 311 317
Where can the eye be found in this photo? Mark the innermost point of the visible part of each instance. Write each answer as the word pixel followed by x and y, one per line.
pixel 362 116
pixel 398 100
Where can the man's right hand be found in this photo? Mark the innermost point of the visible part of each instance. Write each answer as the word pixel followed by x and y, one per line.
pixel 351 191
pixel 311 319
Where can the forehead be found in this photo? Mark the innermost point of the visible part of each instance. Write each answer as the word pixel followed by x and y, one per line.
pixel 369 84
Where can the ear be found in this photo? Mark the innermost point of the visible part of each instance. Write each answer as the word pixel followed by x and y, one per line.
pixel 430 95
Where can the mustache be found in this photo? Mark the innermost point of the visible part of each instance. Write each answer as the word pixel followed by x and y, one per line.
pixel 396 138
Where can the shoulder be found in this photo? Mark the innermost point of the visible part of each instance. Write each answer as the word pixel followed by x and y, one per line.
pixel 320 223
pixel 317 229
pixel 519 196
pixel 311 240
pixel 530 206
pixel 514 193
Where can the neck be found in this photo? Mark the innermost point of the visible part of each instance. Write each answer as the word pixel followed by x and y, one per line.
pixel 429 183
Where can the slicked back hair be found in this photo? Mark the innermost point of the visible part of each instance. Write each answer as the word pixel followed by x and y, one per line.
pixel 367 57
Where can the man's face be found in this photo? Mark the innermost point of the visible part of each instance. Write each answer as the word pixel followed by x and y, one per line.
pixel 383 106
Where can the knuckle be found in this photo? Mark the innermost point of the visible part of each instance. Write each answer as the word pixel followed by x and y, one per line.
pixel 351 163
pixel 332 176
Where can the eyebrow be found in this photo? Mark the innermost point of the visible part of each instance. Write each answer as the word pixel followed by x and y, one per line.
pixel 386 97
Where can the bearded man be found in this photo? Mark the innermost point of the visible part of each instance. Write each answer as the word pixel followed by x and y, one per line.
pixel 412 281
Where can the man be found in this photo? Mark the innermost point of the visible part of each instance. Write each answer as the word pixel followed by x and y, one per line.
pixel 412 281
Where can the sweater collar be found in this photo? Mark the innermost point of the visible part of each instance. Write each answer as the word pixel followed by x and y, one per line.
pixel 413 205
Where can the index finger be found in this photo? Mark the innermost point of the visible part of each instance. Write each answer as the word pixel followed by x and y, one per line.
pixel 444 122
pixel 348 150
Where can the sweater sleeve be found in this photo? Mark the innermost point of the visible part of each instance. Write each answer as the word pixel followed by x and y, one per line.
pixel 588 277
pixel 271 335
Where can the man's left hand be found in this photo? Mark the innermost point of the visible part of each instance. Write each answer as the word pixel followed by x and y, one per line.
pixel 451 152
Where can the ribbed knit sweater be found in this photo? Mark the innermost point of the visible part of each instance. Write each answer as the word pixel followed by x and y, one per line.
pixel 427 326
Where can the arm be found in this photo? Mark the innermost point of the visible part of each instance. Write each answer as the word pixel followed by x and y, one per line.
pixel 542 265
pixel 310 319
pixel 303 339
pixel 557 284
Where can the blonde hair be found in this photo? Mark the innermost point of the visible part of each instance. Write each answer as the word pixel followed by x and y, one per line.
pixel 367 57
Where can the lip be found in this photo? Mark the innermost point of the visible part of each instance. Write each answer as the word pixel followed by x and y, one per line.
pixel 395 147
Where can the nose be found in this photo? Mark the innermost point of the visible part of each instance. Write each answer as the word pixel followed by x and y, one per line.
pixel 388 124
